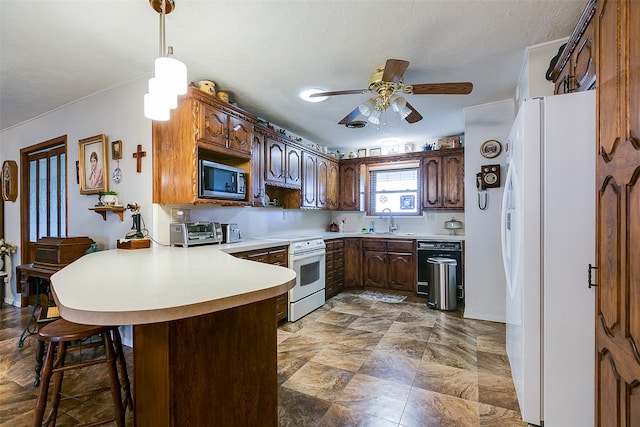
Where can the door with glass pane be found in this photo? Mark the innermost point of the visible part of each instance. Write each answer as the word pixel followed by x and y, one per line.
pixel 43 194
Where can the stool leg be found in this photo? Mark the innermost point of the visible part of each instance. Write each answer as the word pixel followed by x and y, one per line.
pixel 115 382
pixel 39 357
pixel 58 376
pixel 122 369
pixel 41 400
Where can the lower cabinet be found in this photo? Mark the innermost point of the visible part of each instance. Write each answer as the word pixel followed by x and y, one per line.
pixel 277 256
pixel 353 263
pixel 389 264
pixel 334 276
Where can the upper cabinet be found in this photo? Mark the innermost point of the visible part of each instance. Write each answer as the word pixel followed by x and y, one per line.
pixel 575 70
pixel 349 185
pixel 201 127
pixel 283 162
pixel 443 180
pixel 319 182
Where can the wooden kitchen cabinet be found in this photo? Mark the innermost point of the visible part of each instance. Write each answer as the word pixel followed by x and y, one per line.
pixel 575 70
pixel 283 162
pixel 389 264
pixel 277 256
pixel 443 180
pixel 334 275
pixel 257 170
pixel 202 127
pixel 319 182
pixel 353 263
pixel 349 185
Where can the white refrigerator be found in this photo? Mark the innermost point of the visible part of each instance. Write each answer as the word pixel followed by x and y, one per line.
pixel 548 241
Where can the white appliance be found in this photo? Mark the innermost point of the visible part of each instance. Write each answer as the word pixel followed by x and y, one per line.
pixel 548 240
pixel 307 256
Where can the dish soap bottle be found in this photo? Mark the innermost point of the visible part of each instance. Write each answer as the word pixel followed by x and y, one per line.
pixel 371 229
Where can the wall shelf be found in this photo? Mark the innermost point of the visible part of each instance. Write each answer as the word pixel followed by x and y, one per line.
pixel 102 210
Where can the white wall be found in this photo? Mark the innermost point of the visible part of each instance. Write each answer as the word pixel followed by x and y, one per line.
pixel 484 274
pixel 117 113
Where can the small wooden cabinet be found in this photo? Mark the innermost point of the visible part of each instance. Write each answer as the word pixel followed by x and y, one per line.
pixel 389 264
pixel 334 276
pixel 283 162
pixel 353 264
pixel 349 185
pixel 319 182
pixel 575 70
pixel 443 180
pixel 202 127
pixel 277 256
pixel 309 180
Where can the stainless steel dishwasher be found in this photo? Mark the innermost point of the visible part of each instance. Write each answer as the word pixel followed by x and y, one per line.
pixel 439 248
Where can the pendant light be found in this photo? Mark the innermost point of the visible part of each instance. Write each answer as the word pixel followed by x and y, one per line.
pixel 170 75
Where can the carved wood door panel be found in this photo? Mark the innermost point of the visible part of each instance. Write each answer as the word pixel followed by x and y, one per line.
pixel 618 214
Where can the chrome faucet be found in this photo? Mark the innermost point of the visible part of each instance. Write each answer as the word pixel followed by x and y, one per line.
pixel 392 225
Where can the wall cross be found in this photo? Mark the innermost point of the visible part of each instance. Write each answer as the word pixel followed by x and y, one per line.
pixel 138 155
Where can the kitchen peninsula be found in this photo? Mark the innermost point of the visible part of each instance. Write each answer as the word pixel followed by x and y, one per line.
pixel 204 336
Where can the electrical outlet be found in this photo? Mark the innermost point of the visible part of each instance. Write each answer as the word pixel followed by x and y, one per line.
pixel 431 217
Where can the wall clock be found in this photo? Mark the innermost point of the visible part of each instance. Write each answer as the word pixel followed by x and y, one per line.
pixel 9 180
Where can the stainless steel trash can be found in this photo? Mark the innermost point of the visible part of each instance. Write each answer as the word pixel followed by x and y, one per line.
pixel 441 275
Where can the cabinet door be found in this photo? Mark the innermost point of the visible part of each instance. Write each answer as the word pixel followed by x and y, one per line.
pixel 353 263
pixel 332 185
pixel 257 170
pixel 583 64
pixel 453 181
pixel 213 126
pixel 309 182
pixel 240 132
pixel 402 272
pixel 274 166
pixel 293 172
pixel 322 169
pixel 349 184
pixel 374 269
pixel 431 181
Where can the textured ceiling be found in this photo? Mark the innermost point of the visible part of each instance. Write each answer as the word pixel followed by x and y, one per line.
pixel 265 52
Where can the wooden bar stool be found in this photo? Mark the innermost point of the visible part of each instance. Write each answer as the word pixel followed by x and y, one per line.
pixel 57 335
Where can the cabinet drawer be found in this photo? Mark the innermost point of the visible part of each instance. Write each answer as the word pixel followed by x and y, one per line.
pixel 400 246
pixel 374 244
pixel 278 257
pixel 258 256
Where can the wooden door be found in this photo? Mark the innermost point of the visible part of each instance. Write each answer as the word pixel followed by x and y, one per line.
pixel 431 180
pixel 274 162
pixel 294 165
pixel 374 268
pixel 618 214
pixel 353 264
pixel 402 272
pixel 349 184
pixel 309 182
pixel 453 181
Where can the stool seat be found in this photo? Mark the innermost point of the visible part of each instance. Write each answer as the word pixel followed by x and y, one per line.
pixel 63 330
pixel 57 335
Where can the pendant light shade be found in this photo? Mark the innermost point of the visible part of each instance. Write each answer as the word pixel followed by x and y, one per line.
pixel 169 75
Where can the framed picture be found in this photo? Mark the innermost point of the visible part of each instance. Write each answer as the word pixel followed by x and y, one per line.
pixel 375 151
pixel 490 149
pixel 9 180
pixel 407 202
pixel 362 152
pixel 408 148
pixel 92 153
pixel 116 150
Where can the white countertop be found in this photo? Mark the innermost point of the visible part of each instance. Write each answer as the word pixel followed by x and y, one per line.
pixel 400 235
pixel 120 287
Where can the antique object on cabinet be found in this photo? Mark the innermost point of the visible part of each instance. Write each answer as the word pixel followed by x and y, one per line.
pixel 52 254
pixel 9 180
pixel 575 69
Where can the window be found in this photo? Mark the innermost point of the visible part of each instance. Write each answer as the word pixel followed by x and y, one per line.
pixel 394 188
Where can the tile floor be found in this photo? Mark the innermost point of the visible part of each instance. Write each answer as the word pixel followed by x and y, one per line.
pixel 353 362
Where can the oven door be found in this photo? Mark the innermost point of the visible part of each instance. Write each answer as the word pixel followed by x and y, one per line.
pixel 310 274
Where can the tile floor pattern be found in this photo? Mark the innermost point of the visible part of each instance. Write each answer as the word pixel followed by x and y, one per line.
pixel 353 362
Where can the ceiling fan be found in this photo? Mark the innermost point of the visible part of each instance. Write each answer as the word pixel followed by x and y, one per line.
pixel 386 84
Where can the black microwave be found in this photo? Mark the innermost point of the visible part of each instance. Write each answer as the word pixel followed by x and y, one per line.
pixel 221 181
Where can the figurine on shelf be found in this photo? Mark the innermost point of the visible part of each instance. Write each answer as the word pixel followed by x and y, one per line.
pixel 207 86
pixel 223 96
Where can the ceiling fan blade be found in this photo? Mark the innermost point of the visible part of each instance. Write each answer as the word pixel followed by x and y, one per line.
pixel 460 88
pixel 414 116
pixel 339 92
pixel 350 117
pixel 394 69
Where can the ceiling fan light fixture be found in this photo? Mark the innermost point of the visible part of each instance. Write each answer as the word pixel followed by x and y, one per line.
pixel 368 107
pixel 375 117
